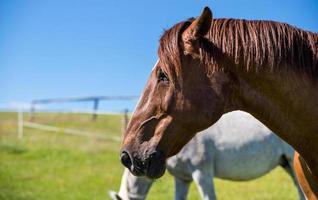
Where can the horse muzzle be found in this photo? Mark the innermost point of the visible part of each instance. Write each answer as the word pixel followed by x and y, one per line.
pixel 153 166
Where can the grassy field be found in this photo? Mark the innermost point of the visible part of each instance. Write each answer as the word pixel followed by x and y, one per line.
pixel 45 165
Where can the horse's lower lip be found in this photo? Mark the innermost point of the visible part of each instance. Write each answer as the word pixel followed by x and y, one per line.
pixel 156 167
pixel 157 172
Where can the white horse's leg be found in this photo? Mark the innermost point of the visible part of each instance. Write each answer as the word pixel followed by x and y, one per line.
pixel 181 189
pixel 204 182
pixel 132 188
pixel 290 170
pixel 123 191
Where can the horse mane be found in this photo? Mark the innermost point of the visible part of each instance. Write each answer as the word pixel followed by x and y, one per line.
pixel 250 44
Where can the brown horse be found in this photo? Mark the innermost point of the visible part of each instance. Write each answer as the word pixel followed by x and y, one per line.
pixel 208 67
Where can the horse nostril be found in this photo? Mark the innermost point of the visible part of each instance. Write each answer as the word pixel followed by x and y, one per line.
pixel 125 159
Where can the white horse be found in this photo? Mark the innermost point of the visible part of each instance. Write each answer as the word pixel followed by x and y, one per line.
pixel 237 147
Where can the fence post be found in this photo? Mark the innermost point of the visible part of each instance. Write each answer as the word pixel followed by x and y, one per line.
pixel 124 121
pixel 20 124
pixel 32 110
pixel 96 102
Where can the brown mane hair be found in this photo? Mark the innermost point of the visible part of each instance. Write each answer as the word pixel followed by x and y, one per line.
pixel 250 44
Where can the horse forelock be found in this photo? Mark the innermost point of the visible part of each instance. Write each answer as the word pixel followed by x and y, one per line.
pixel 169 51
pixel 250 44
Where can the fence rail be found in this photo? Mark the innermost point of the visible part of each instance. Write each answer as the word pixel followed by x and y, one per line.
pixel 32 107
pixel 94 99
pixel 70 131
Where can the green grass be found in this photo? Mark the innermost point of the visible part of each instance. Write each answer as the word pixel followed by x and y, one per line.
pixel 46 165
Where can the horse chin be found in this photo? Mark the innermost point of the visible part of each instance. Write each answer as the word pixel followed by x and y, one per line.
pixel 156 171
pixel 156 166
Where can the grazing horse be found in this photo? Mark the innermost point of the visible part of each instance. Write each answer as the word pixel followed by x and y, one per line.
pixel 208 67
pixel 237 147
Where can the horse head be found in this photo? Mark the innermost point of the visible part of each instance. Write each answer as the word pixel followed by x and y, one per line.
pixel 179 100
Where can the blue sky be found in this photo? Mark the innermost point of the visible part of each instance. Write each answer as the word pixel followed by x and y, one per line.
pixel 61 48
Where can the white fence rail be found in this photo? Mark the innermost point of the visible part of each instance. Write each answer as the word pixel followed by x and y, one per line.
pixel 36 104
pixel 22 124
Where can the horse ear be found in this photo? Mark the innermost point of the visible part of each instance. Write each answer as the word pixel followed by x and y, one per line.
pixel 198 29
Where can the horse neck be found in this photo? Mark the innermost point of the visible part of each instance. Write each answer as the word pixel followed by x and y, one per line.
pixel 286 102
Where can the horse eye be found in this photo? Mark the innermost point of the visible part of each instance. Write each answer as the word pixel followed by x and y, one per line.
pixel 162 76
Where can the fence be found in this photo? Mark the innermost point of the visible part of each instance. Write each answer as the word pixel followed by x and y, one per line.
pixel 30 123
pixel 94 99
